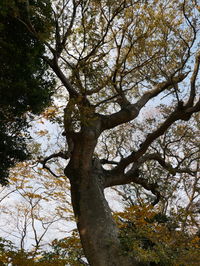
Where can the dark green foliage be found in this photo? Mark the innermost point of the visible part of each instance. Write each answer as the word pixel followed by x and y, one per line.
pixel 12 143
pixel 25 83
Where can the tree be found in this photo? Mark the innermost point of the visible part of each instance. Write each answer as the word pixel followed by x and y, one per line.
pixel 112 60
pixel 26 218
pixel 25 83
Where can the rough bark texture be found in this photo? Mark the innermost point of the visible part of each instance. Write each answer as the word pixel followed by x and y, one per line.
pixel 98 231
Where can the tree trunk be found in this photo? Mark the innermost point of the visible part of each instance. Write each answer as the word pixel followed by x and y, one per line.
pixel 98 231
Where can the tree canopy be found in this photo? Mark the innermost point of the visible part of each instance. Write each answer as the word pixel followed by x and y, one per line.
pixel 25 83
pixel 128 73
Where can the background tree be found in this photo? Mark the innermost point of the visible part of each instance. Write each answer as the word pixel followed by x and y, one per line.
pixel 113 59
pixel 26 218
pixel 25 83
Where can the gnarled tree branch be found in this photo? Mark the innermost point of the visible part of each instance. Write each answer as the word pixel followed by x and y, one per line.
pixel 115 178
pixel 54 155
pixel 132 111
pixel 180 113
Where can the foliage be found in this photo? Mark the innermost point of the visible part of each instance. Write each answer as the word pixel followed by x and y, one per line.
pixel 25 83
pixel 65 251
pixel 10 255
pixel 153 237
pixel 24 207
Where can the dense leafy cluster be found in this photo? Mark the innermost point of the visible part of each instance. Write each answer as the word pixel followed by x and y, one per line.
pixel 66 251
pixel 156 238
pixel 25 85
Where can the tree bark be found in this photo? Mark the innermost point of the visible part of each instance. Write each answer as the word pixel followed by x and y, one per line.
pixel 97 229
